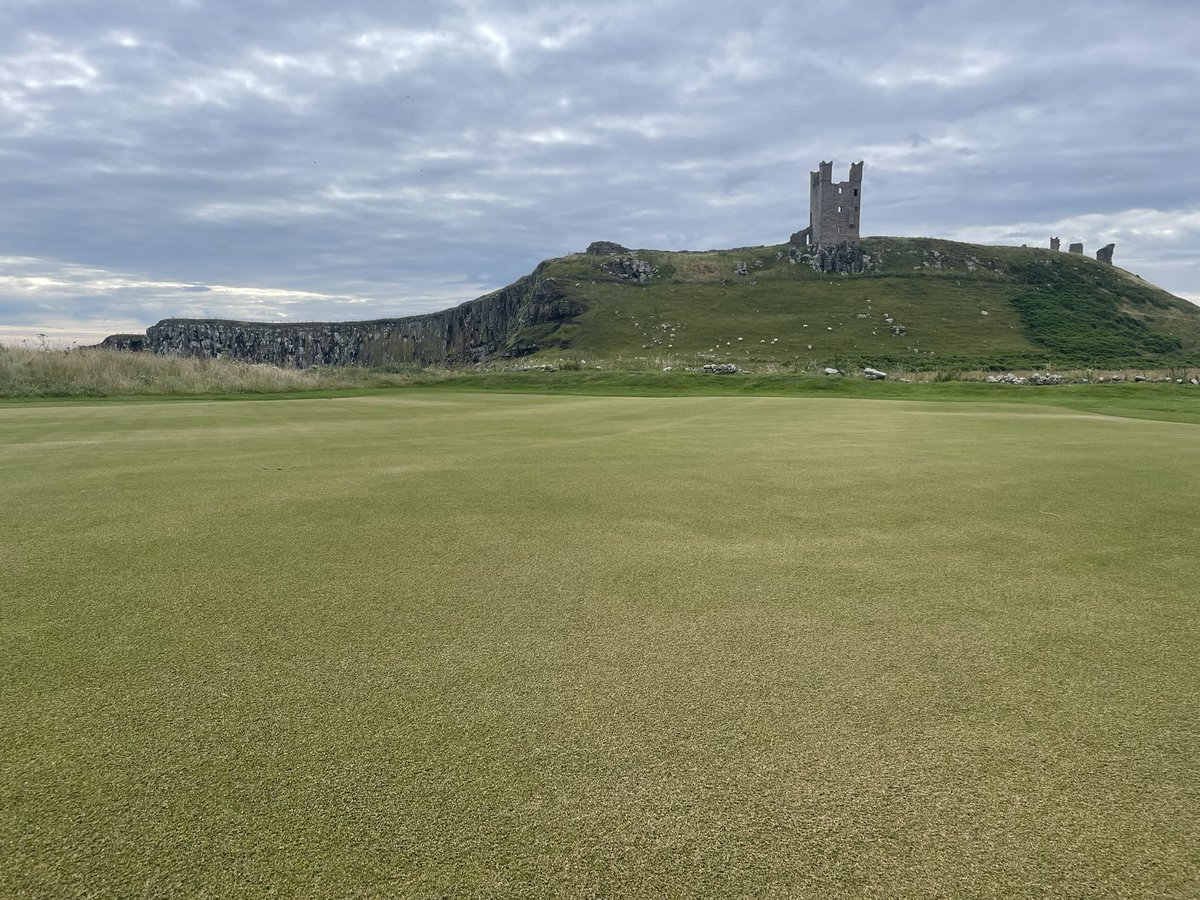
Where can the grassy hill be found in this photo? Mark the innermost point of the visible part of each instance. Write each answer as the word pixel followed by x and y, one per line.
pixel 920 304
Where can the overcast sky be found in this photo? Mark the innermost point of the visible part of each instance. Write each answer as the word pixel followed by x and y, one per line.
pixel 297 160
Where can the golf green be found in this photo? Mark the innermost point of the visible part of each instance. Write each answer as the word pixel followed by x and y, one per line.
pixel 492 645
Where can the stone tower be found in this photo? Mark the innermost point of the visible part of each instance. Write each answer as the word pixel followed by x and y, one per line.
pixel 833 208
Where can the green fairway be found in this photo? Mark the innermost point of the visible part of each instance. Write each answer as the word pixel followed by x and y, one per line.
pixel 438 643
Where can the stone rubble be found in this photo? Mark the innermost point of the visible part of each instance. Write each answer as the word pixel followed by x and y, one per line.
pixel 631 268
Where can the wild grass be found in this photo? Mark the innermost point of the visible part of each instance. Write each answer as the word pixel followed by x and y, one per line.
pixel 430 644
pixel 86 372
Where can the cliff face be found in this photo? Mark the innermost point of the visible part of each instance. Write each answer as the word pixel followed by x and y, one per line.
pixel 128 343
pixel 481 329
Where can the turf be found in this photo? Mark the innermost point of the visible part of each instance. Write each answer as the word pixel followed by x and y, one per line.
pixel 441 643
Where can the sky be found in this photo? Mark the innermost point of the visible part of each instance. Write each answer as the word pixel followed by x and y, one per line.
pixel 299 161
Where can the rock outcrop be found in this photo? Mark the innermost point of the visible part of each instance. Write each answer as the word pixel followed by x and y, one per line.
pixel 605 248
pixel 631 267
pixel 845 258
pixel 482 329
pixel 127 343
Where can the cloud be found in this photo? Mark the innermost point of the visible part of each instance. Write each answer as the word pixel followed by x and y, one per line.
pixel 397 153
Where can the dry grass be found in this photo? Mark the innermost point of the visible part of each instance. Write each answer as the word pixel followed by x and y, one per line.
pixel 88 372
pixel 695 267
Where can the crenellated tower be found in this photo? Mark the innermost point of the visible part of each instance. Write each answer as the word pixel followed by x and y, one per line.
pixel 833 208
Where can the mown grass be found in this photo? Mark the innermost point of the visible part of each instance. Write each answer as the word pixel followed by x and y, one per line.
pixel 432 643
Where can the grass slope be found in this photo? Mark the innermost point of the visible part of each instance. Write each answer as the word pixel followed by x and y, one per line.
pixel 960 304
pixel 436 643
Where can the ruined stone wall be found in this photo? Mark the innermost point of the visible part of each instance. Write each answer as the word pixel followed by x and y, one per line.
pixel 475 331
pixel 834 207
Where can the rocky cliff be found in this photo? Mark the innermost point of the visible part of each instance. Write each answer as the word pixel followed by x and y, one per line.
pixel 478 330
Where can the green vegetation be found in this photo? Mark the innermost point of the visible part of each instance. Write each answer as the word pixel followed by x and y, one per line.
pixel 1075 318
pixel 961 306
pixel 482 644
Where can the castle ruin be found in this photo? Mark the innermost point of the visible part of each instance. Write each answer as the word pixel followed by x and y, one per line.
pixel 833 209
pixel 1104 254
pixel 830 242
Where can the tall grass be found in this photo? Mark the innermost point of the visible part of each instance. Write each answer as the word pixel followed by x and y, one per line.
pixel 88 372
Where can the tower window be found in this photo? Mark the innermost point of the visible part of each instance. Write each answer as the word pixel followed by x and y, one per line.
pixel 856 192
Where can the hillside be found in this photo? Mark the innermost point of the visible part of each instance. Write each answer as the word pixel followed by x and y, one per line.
pixel 919 303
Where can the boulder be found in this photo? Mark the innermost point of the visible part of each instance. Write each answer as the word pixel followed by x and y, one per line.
pixel 874 374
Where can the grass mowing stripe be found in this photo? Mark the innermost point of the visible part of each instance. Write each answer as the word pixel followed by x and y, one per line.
pixel 434 643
